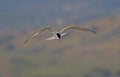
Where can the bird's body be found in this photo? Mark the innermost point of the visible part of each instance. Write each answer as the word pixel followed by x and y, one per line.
pixel 57 35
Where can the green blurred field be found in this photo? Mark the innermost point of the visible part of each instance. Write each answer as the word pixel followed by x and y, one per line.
pixel 87 55
pixel 47 65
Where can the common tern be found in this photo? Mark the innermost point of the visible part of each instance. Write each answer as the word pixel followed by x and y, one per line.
pixel 59 34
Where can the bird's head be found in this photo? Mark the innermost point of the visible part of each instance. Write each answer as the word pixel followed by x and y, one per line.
pixel 58 35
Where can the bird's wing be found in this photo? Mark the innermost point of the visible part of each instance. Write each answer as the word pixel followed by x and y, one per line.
pixel 76 28
pixel 37 33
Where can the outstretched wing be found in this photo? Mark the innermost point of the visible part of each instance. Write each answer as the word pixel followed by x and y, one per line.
pixel 37 33
pixel 76 28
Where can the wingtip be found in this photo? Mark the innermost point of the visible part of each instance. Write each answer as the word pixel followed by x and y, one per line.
pixel 94 31
pixel 26 42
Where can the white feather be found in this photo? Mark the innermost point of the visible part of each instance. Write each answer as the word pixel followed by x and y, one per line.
pixel 63 34
pixel 52 38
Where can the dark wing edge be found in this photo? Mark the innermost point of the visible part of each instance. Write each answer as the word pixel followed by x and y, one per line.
pixel 31 37
pixel 37 33
pixel 76 28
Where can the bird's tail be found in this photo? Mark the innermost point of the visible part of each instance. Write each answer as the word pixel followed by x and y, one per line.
pixel 63 34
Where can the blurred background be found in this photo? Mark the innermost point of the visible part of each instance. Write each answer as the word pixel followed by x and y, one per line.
pixel 79 54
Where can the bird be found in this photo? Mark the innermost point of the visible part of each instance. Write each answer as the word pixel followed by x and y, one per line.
pixel 58 34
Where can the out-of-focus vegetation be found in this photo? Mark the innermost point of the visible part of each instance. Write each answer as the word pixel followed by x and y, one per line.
pixel 79 54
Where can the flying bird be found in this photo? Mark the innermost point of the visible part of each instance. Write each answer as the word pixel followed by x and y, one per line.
pixel 59 34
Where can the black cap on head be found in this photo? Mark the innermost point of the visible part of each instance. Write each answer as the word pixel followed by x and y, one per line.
pixel 58 35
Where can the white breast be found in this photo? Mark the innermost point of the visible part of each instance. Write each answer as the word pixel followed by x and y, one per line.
pixel 53 37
